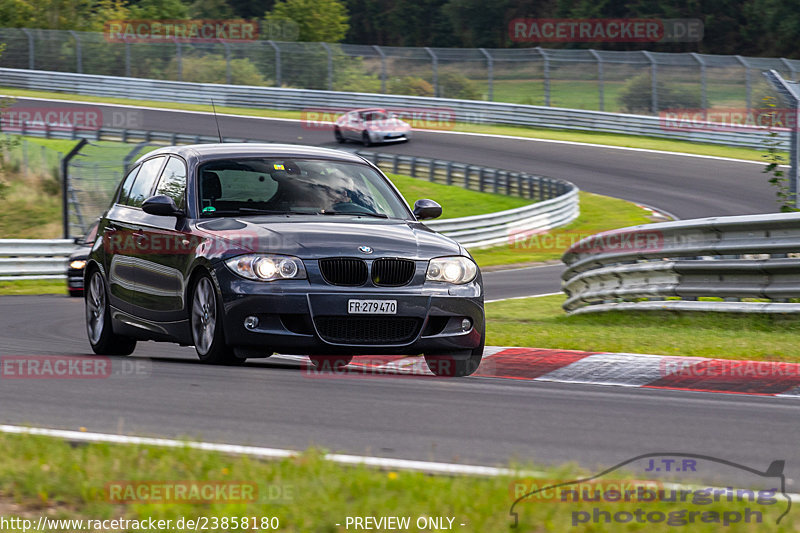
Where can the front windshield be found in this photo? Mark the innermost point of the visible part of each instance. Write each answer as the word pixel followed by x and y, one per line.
pixel 295 186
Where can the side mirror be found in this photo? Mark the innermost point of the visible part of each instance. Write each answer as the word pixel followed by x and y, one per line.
pixel 427 209
pixel 161 205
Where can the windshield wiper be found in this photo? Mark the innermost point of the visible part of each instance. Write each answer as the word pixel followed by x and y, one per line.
pixel 356 213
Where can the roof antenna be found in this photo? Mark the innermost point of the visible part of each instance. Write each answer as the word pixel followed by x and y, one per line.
pixel 216 120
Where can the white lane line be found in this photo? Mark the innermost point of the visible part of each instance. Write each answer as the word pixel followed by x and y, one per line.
pixel 273 453
pixel 523 297
pixel 513 137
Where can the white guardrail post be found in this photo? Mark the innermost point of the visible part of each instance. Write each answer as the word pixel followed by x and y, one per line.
pixel 748 263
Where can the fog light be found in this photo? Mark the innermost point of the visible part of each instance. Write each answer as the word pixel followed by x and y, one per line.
pixel 466 324
pixel 251 322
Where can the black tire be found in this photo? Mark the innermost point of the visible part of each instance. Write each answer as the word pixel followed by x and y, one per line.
pixel 205 321
pixel 98 320
pixel 75 293
pixel 338 134
pixel 365 139
pixel 332 363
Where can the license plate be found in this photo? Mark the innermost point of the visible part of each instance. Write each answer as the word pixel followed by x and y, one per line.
pixel 372 307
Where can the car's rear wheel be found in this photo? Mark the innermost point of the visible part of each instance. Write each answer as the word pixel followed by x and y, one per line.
pixel 206 323
pixel 98 321
pixel 330 362
pixel 338 134
pixel 365 139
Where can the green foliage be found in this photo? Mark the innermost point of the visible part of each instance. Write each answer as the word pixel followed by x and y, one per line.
pixel 350 75
pixel 212 68
pixel 159 9
pixel 456 85
pixel 637 96
pixel 317 20
pixel 411 86
pixel 775 158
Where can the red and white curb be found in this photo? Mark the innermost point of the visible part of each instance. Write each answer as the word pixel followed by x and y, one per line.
pixel 701 374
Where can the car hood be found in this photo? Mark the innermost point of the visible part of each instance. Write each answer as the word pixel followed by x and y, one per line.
pixel 313 239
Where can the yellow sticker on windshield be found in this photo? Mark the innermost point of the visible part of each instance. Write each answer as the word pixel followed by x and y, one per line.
pixel 278 166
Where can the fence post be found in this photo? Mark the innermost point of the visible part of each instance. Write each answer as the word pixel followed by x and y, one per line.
pixel 383 67
pixel 600 85
pixel 78 54
pixel 277 63
pixel 179 58
pixel 490 71
pixel 435 68
pixel 790 67
pixel 330 65
pixel 703 83
pixel 31 49
pixel 653 82
pixel 127 58
pixel 748 87
pixel 546 75
pixel 227 61
pixel 65 184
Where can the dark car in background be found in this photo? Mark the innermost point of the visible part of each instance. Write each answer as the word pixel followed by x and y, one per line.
pixel 243 250
pixel 76 263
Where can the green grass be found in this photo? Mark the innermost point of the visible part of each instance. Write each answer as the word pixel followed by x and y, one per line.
pixel 33 286
pixel 540 322
pixel 598 213
pixel 50 477
pixel 632 141
pixel 455 201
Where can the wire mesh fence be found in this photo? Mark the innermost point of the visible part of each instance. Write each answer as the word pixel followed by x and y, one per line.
pixel 93 175
pixel 634 82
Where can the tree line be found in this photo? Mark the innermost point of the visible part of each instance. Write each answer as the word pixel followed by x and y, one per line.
pixel 769 28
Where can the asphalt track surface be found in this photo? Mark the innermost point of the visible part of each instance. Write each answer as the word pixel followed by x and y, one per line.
pixel 479 420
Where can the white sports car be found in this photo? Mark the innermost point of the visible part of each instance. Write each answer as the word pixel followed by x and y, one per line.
pixel 371 126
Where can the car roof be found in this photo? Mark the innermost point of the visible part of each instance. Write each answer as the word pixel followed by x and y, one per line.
pixel 369 109
pixel 200 153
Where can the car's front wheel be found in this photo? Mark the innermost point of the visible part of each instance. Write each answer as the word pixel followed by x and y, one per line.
pixel 98 321
pixel 206 322
pixel 337 133
pixel 365 140
pixel 456 365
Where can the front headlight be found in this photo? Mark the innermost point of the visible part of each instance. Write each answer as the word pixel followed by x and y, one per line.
pixel 78 264
pixel 267 267
pixel 455 269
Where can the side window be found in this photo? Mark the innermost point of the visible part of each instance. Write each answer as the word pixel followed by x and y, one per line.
pixel 144 181
pixel 125 190
pixel 173 181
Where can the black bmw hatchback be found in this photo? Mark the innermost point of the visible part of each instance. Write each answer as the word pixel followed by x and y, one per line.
pixel 244 250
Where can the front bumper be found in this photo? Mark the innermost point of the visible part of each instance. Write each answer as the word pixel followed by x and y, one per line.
pixel 301 317
pixel 75 279
pixel 388 136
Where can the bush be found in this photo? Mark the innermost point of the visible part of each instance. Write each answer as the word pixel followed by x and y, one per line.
pixel 411 86
pixel 212 68
pixel 636 96
pixel 456 85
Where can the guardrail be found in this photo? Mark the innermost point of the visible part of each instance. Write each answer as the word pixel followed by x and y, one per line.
pixel 751 263
pixel 558 203
pixel 468 111
pixel 24 259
